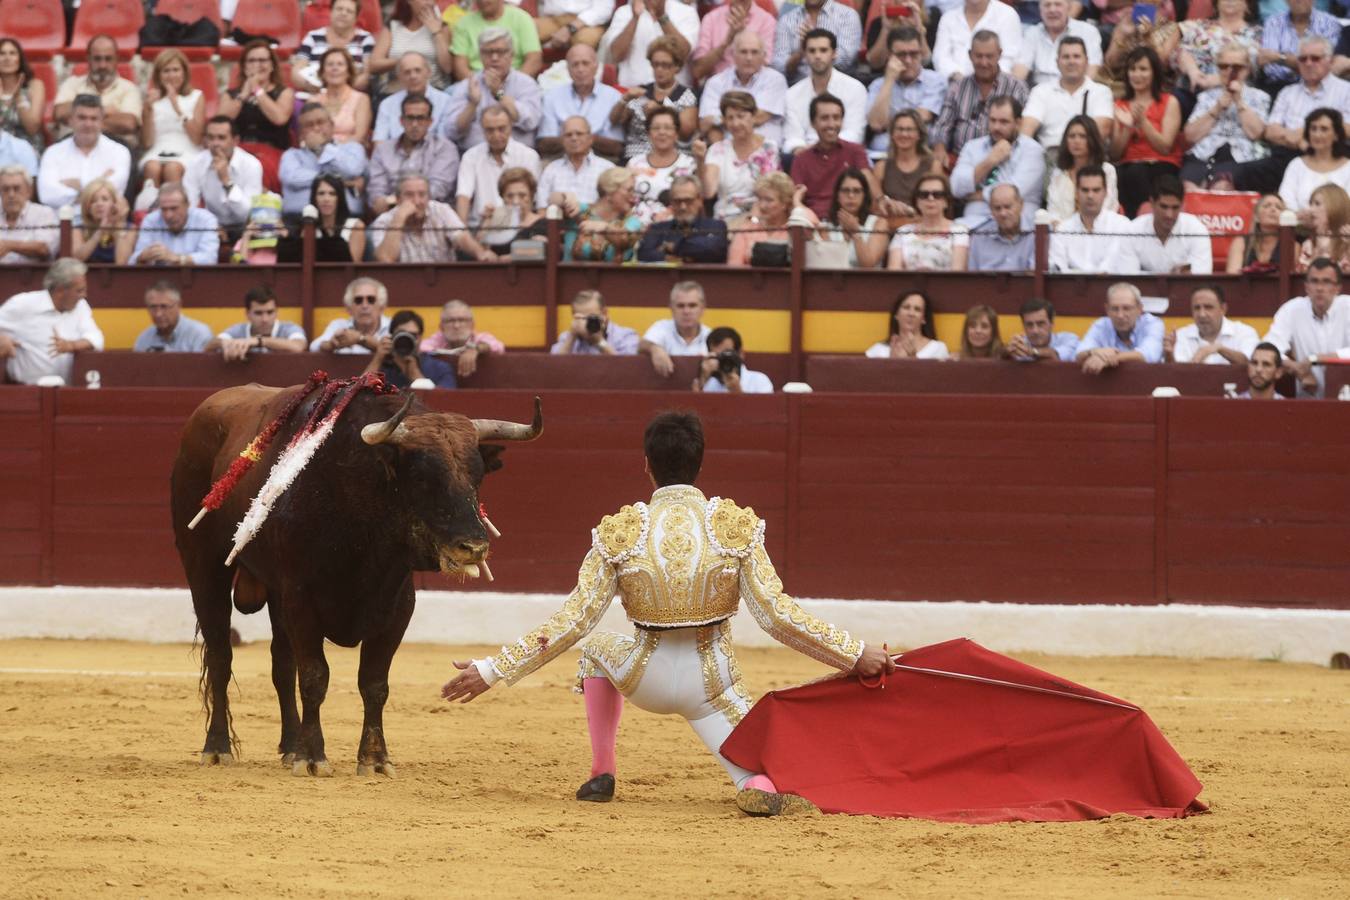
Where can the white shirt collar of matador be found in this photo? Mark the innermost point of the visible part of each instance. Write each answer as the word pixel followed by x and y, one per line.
pixel 679 560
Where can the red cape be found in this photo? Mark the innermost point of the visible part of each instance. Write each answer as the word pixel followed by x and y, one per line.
pixel 933 746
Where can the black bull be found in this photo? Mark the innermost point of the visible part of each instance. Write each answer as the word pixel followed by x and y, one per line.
pixel 393 490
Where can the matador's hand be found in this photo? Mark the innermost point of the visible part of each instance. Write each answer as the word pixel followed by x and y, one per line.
pixel 467 684
pixel 874 661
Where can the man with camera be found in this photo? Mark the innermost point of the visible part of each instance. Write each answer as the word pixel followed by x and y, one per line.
pixel 396 355
pixel 723 370
pixel 592 332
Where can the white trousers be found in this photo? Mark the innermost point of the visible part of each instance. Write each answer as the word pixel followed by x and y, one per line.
pixel 689 672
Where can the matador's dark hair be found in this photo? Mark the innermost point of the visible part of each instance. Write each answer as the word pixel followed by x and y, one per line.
pixel 673 443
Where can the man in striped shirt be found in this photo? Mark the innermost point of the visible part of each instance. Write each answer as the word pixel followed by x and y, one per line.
pixel 965 113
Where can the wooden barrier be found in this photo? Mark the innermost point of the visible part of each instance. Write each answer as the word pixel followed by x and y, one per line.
pixel 905 496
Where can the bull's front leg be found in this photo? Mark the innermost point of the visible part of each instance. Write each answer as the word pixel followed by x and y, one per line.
pixel 377 653
pixel 307 643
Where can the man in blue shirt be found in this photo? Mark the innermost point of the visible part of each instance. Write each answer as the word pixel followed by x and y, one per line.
pixel 1039 340
pixel 687 236
pixel 583 96
pixel 1003 156
pixel 171 331
pixel 16 152
pixel 398 358
pixel 318 154
pixel 1126 333
pixel 177 234
pixel 1001 244
pixel 905 84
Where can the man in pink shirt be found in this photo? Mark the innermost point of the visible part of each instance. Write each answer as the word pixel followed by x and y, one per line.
pixel 458 336
pixel 718 31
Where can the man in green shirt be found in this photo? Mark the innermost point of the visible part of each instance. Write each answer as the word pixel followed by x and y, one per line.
pixel 529 59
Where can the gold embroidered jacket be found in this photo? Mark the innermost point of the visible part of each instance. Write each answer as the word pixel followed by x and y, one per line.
pixel 680 560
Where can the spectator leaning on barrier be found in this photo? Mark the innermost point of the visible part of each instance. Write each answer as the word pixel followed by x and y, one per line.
pixel 422 230
pixel 1091 239
pixel 1038 339
pixel 688 235
pixel 1001 243
pixel 1126 333
pixel 1167 240
pixel 723 370
pixel 592 332
pixel 683 334
pixel 41 331
pixel 799 130
pixel 1316 324
pixel 397 356
pixel 177 234
pixel 87 155
pixel 29 232
pixel 415 150
pixel 170 331
pixel 359 332
pixel 1003 156
pixel 1211 337
pixel 497 86
pixel 261 331
pixel 224 177
pixel 458 337
pixel 1263 370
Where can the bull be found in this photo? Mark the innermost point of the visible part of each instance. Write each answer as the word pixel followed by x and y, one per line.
pixel 393 490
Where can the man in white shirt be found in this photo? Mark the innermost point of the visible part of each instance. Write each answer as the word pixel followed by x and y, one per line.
pixel 576 171
pixel 635 25
pixel 41 331
pixel 422 230
pixel 683 334
pixel 951 48
pixel 87 155
pixel 223 177
pixel 1314 325
pixel 820 49
pixel 361 329
pixel 564 23
pixel 1092 239
pixel 29 232
pixel 723 369
pixel 120 98
pixel 483 164
pixel 752 75
pixel 1038 61
pixel 1054 102
pixel 1211 337
pixel 1167 240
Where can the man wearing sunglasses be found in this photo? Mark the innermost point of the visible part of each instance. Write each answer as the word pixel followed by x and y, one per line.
pixel 1316 88
pixel 361 330
pixel 416 150
pixel 1225 126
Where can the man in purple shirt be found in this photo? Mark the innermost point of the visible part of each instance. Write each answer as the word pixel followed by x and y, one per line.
pixel 818 166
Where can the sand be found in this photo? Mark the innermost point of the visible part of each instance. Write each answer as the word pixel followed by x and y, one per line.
pixel 102 793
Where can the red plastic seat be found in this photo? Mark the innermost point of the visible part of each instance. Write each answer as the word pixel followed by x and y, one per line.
pixel 121 20
pixel 38 25
pixel 187 12
pixel 276 19
pixel 44 72
pixel 202 76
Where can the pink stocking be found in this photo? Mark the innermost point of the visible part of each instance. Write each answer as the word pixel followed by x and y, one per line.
pixel 761 782
pixel 604 705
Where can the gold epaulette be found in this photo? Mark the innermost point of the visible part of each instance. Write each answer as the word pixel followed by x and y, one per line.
pixel 732 529
pixel 618 536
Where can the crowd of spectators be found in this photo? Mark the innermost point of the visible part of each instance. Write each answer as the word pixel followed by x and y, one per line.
pixel 900 135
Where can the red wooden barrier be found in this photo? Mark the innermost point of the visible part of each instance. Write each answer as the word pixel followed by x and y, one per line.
pixel 1000 498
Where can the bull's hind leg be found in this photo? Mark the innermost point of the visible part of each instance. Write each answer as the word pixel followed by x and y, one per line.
pixel 211 600
pixel 283 679
pixel 307 644
pixel 377 653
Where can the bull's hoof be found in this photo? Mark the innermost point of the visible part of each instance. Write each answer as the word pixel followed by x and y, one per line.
pixel 320 768
pixel 288 760
pixel 380 768
pixel 214 758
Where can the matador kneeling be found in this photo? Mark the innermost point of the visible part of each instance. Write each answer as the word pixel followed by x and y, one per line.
pixel 681 565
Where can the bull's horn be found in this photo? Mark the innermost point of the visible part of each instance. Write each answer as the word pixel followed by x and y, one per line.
pixel 391 431
pixel 496 430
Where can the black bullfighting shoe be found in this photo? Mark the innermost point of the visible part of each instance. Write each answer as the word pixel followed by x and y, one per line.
pixel 754 802
pixel 599 789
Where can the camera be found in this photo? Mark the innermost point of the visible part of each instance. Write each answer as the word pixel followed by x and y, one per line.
pixel 728 363
pixel 594 324
pixel 405 343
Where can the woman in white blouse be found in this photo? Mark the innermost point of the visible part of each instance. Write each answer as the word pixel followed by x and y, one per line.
pixel 935 242
pixel 1081 146
pixel 912 335
pixel 173 120
pixel 1324 162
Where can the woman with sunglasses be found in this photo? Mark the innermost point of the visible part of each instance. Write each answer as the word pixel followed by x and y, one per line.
pixel 934 242
pixel 1225 127
pixel 1235 23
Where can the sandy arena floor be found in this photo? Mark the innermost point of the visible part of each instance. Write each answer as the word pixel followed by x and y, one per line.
pixel 102 794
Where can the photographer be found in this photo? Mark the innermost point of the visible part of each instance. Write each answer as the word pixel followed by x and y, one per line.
pixel 723 370
pixel 397 357
pixel 593 332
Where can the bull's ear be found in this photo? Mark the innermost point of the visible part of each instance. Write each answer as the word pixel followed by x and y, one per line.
pixel 492 456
